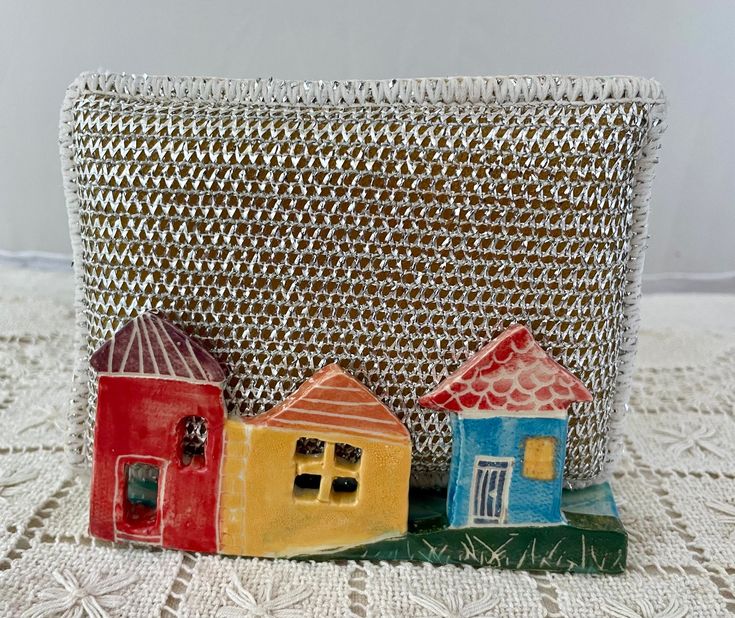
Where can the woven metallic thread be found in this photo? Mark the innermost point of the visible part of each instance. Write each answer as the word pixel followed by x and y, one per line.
pixel 195 435
pixel 394 239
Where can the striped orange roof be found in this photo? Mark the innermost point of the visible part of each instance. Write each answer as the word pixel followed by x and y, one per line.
pixel 332 400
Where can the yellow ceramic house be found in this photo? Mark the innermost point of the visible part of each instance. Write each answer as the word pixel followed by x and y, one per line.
pixel 326 468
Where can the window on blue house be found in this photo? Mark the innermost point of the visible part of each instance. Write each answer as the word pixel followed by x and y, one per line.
pixel 539 458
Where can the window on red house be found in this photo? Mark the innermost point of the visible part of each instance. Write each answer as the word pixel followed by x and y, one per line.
pixel 141 494
pixel 193 432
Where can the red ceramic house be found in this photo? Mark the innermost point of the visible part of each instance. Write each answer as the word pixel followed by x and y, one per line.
pixel 158 438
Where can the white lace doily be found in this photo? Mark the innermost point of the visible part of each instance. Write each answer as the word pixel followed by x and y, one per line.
pixel 675 487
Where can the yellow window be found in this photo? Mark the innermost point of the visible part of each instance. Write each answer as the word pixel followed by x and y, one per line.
pixel 538 458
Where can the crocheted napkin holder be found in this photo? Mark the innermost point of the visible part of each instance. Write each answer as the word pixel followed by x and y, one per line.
pixel 390 227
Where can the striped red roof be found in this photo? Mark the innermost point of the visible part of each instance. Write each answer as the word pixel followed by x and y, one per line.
pixel 149 345
pixel 332 399
pixel 512 374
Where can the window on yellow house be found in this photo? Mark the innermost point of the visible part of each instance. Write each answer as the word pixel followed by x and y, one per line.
pixel 307 486
pixel 347 452
pixel 344 490
pixel 344 485
pixel 326 471
pixel 309 446
pixel 538 458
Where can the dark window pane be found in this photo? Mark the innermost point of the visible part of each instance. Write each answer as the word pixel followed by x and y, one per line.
pixel 309 446
pixel 193 440
pixel 347 452
pixel 141 493
pixel 308 481
pixel 344 484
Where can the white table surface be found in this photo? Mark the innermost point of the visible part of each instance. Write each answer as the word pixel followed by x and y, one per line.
pixel 675 487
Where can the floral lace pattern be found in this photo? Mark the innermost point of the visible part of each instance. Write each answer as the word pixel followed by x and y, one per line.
pixel 675 485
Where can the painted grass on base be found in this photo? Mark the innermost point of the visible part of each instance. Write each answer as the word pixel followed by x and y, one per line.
pixel 589 543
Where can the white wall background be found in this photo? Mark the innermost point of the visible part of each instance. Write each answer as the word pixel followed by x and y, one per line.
pixel 687 45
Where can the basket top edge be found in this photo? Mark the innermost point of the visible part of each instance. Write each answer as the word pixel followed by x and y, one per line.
pixel 426 90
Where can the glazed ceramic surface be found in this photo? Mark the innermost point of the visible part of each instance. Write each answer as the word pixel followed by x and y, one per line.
pixel 508 403
pixel 325 473
pixel 327 468
pixel 490 481
pixel 590 540
pixel 150 482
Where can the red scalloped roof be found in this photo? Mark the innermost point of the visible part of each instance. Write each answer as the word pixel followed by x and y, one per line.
pixel 512 373
pixel 150 345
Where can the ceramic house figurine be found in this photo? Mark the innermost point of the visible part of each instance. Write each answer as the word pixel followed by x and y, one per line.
pixel 158 438
pixel 325 473
pixel 327 468
pixel 509 418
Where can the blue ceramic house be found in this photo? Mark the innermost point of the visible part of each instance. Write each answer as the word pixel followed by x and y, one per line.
pixel 508 406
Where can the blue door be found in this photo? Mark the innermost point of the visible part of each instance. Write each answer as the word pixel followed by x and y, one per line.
pixel 490 484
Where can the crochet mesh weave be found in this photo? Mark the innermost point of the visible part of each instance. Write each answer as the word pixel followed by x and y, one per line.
pixel 393 227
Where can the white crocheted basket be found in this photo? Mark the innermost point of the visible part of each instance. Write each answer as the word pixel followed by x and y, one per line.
pixel 390 226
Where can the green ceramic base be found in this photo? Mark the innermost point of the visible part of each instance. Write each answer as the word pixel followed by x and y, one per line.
pixel 592 541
